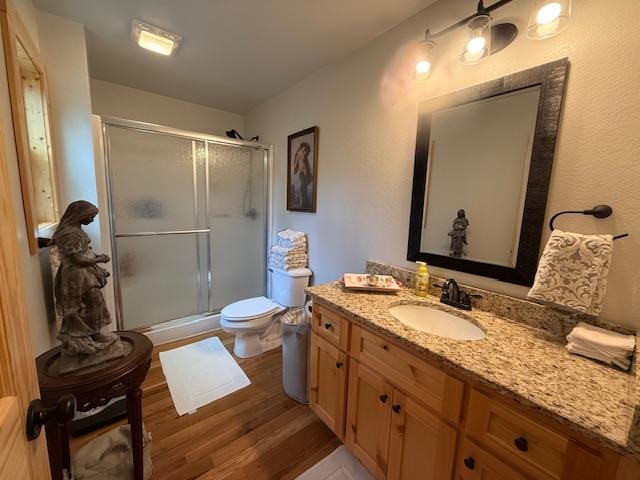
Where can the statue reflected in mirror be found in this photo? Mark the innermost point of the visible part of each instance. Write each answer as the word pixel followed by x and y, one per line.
pixel 79 302
pixel 458 234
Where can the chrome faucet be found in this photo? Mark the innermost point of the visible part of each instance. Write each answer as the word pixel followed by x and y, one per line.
pixel 451 295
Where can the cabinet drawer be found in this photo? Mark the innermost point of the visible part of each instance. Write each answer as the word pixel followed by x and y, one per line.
pixel 474 463
pixel 331 326
pixel 516 436
pixel 428 384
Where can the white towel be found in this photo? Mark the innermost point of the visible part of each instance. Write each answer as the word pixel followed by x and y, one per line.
pixel 572 273
pixel 290 238
pixel 600 344
pixel 622 362
pixel 285 251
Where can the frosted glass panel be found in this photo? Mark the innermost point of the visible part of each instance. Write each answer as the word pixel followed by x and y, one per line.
pixel 159 278
pixel 237 217
pixel 155 179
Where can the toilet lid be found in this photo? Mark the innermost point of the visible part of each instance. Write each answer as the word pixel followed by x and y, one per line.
pixel 249 308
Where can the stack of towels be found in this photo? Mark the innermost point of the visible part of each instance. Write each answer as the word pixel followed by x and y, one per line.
pixel 290 250
pixel 600 344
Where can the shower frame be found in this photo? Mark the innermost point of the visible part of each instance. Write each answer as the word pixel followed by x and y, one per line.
pixel 110 121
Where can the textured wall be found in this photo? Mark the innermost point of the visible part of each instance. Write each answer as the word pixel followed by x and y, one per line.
pixel 366 108
pixel 130 103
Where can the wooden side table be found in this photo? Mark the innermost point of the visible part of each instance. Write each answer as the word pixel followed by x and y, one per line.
pixel 94 387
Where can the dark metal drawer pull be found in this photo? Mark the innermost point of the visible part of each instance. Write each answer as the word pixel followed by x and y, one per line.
pixel 327 326
pixel 470 463
pixel 396 408
pixel 383 398
pixel 521 444
pixel 338 364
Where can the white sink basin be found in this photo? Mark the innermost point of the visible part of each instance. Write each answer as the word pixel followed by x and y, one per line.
pixel 437 322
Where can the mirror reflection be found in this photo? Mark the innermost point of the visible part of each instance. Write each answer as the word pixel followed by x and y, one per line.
pixel 477 177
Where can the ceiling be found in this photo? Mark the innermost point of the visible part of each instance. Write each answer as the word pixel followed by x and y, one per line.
pixel 235 54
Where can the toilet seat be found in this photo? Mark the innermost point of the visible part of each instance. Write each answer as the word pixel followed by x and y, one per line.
pixel 258 323
pixel 250 309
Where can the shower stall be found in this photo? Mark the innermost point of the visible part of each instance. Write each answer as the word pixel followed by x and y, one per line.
pixel 188 218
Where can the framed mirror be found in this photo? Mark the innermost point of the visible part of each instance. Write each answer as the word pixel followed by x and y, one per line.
pixel 31 122
pixel 481 175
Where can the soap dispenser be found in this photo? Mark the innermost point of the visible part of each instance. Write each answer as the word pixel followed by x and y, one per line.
pixel 422 279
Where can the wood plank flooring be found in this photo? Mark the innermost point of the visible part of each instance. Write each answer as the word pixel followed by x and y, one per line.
pixel 257 433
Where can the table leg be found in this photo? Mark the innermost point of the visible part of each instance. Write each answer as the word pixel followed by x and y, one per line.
pixel 134 412
pixel 52 429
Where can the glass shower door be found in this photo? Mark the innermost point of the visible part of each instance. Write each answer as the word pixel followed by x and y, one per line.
pixel 238 218
pixel 159 222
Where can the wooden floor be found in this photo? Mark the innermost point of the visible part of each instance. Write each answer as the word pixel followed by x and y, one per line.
pixel 256 433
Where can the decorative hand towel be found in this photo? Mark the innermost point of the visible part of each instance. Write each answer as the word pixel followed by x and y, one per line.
pixel 572 273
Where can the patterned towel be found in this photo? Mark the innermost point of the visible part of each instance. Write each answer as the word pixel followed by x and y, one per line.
pixel 286 252
pixel 572 273
pixel 290 238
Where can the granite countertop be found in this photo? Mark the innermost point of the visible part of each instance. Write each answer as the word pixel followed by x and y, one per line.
pixel 528 365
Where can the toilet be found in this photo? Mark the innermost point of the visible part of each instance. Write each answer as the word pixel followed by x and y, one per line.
pixel 254 321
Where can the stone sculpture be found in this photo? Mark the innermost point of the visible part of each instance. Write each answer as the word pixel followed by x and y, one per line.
pixel 78 297
pixel 458 234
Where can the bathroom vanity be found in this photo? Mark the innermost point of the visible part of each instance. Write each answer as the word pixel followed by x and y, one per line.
pixel 513 405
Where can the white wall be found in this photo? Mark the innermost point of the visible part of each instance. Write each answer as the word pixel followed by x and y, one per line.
pixel 125 102
pixel 366 108
pixel 63 49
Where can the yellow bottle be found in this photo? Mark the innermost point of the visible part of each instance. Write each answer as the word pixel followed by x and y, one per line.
pixel 422 279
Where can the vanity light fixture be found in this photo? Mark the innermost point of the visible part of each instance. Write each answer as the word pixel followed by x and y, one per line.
pixel 548 18
pixel 479 44
pixel 154 38
pixel 424 64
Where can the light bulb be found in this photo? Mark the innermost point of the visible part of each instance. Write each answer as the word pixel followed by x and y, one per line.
pixel 548 13
pixel 476 44
pixel 423 66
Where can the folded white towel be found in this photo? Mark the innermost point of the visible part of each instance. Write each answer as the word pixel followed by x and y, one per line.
pixel 600 344
pixel 590 334
pixel 290 238
pixel 286 251
pixel 623 362
pixel 572 273
pixel 302 257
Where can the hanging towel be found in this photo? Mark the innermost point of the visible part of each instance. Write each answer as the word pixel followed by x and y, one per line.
pixel 572 273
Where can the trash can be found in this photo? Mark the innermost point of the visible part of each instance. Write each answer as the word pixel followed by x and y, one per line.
pixel 295 354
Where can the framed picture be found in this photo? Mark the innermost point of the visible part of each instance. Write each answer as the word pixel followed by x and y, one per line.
pixel 302 170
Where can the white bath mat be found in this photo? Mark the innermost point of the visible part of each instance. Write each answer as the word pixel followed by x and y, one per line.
pixel 339 465
pixel 200 373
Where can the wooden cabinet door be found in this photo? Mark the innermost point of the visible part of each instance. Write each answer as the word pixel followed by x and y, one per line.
pixel 476 464
pixel 328 383
pixel 19 459
pixel 421 446
pixel 368 416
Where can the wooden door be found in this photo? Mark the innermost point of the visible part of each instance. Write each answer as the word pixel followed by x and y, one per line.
pixel 420 444
pixel 368 417
pixel 19 459
pixel 328 383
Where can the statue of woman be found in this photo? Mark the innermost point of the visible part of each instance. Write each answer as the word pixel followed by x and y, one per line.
pixel 459 234
pixel 79 301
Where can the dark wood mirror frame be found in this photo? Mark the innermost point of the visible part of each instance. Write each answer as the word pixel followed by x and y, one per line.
pixel 551 79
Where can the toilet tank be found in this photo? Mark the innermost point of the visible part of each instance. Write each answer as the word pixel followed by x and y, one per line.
pixel 287 286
